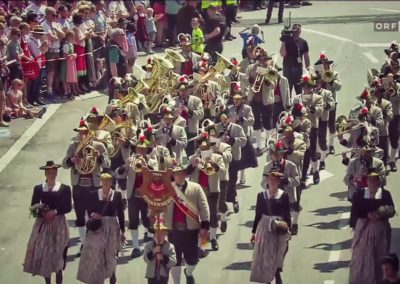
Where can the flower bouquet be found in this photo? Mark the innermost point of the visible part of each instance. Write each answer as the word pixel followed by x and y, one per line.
pixel 39 210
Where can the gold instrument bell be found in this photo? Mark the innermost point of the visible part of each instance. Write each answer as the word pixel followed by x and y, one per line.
pixel 174 56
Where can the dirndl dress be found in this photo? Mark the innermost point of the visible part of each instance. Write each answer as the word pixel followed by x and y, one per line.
pixel 99 254
pixel 47 247
pixel 370 245
pixel 71 72
pixel 30 70
pixel 248 159
pixel 269 251
pixel 80 60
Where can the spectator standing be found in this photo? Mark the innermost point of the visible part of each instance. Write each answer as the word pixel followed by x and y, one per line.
pixel 253 36
pixel 14 53
pixel 161 21
pixel 63 18
pixel 280 11
pixel 2 103
pixel 79 49
pixel 100 29
pixel 38 7
pixel 54 36
pixel 32 19
pixel 185 16
pixel 151 29
pixel 68 73
pixel 230 14
pixel 294 51
pixel 214 30
pixel 141 33
pixel 88 29
pixel 171 9
pixel 197 37
pixel 132 47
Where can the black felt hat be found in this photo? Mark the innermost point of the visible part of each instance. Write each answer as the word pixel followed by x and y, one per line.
pixel 50 165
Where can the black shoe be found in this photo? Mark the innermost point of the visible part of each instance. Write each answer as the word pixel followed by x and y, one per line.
pixel 136 253
pixel 224 226
pixel 202 253
pixel 214 245
pixel 321 165
pixel 229 38
pixel 303 184
pixel 331 150
pixel 258 152
pixel 146 238
pixel 316 177
pixel 280 21
pixel 267 21
pixel 124 203
pixel 41 112
pixel 311 172
pixel 393 167
pixel 278 278
pixel 189 279
pixel 236 207
pixel 294 229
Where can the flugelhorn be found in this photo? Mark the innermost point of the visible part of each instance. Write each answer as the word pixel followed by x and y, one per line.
pixel 137 163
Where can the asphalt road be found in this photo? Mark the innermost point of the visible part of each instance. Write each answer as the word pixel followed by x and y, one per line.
pixel 319 254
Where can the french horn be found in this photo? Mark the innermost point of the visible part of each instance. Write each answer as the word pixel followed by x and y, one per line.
pixel 87 155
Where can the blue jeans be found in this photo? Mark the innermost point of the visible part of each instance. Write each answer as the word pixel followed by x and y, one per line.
pixel 293 74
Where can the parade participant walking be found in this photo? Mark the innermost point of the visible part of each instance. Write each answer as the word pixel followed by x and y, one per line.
pixel 270 232
pixel 84 180
pixel 106 228
pixel 188 218
pixel 159 255
pixel 390 267
pixel 48 244
pixel 370 212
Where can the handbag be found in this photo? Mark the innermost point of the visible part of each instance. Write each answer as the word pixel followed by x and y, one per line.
pixel 278 225
pixel 93 224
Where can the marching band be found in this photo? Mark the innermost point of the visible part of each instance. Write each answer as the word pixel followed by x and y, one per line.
pixel 196 120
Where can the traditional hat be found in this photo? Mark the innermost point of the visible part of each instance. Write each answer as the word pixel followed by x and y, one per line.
pixel 50 165
pixel 261 52
pixel 235 63
pixel 394 47
pixel 323 59
pixel 94 112
pixel 276 146
pixel 183 82
pixel 83 126
pixel 298 110
pixel 149 64
pixel 38 29
pixel 364 95
pixel 184 39
pixel 308 81
pixel 275 173
pixel 106 175
pixel 159 224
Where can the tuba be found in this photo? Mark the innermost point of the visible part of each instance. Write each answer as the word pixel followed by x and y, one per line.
pixel 116 133
pixel 174 56
pixel 131 97
pixel 327 76
pixel 87 154
pixel 222 64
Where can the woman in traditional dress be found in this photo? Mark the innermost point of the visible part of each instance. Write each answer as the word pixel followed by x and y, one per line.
pixel 79 48
pixel 105 233
pixel 370 212
pixel 47 246
pixel 270 232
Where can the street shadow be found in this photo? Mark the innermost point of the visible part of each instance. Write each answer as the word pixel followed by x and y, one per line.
pixel 331 210
pixel 246 265
pixel 342 196
pixel 71 223
pixel 71 257
pixel 395 243
pixel 343 245
pixel 242 186
pixel 124 259
pixel 248 224
pixel 252 207
pixel 244 246
pixel 327 267
pixel 335 225
pixel 73 242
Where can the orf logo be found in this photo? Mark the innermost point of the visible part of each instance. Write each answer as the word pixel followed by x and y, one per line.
pixel 386 26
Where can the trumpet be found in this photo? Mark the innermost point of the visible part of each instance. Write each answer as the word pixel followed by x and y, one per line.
pixel 206 166
pixel 137 163
pixel 268 75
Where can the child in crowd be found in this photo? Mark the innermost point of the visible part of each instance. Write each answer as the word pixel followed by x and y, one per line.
pixel 14 101
pixel 132 47
pixel 99 67
pixel 160 256
pixel 254 33
pixel 70 77
pixel 197 37
pixel 142 37
pixel 151 29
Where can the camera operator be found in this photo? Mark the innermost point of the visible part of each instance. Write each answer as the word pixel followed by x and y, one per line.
pixel 294 51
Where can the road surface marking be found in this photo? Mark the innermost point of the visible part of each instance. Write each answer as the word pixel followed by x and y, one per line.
pixel 24 139
pixel 329 282
pixel 334 255
pixel 385 10
pixel 344 222
pixel 373 44
pixel 371 57
pixel 89 96
pixel 329 35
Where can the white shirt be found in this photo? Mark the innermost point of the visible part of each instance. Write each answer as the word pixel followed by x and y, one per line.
pixel 34 45
pixel 378 194
pixel 56 187
pixel 40 10
pixel 50 30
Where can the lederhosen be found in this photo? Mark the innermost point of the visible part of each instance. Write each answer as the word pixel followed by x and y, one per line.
pixel 212 198
pixel 233 172
pixel 190 147
pixel 322 130
pixel 136 205
pixel 278 105
pixel 184 240
pixel 394 124
pixel 81 195
pixel 234 79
